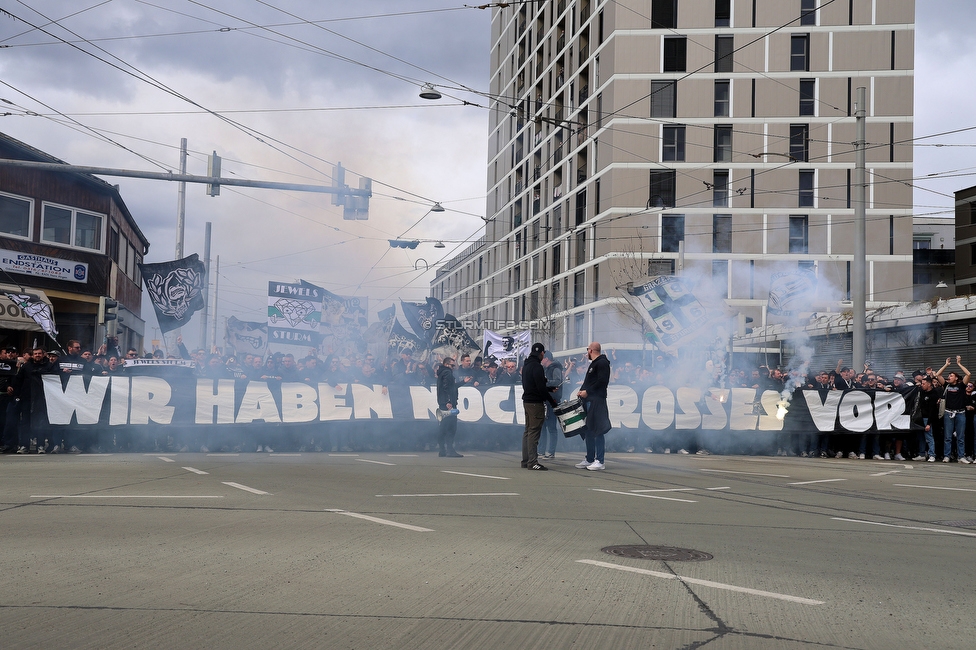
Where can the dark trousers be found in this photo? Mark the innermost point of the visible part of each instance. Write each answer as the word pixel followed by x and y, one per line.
pixel 446 432
pixel 535 415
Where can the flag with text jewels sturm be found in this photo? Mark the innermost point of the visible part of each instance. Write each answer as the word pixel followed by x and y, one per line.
pixel 175 289
pixel 246 337
pixel 505 347
pixel 37 309
pixel 294 313
pixel 675 316
pixel 791 292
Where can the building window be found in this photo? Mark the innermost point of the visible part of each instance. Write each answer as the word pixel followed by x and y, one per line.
pixel 69 227
pixel 557 266
pixel 664 14
pixel 800 53
pixel 663 95
pixel 723 53
pixel 723 13
pixel 581 206
pixel 805 198
pixel 720 188
pixel 15 216
pixel 808 12
pixel 581 247
pixel 921 243
pixel 808 88
pixel 660 192
pixel 723 92
pixel 579 288
pixel 800 142
pixel 660 267
pixel 720 277
pixel 799 234
pixel 675 53
pixel 674 143
pixel 579 330
pixel 672 232
pixel 722 233
pixel 723 143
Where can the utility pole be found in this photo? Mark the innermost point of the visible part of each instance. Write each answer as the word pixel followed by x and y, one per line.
pixel 859 265
pixel 216 287
pixel 181 203
pixel 206 284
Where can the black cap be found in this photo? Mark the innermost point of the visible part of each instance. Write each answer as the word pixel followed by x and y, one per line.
pixel 538 349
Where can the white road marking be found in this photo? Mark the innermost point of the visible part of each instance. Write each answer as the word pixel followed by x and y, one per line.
pixel 668 490
pixel 646 496
pixel 894 471
pixel 824 480
pixel 705 583
pixel 377 520
pixel 719 488
pixel 500 478
pixel 343 455
pixel 726 471
pixel 403 455
pixel 223 454
pixel 932 487
pixel 244 487
pixel 888 463
pixel 125 496
pixel 458 494
pixel 376 462
pixel 285 455
pixel 930 530
pixel 164 458
pixel 196 471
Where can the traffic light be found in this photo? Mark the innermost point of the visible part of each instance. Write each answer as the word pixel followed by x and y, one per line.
pixel 402 243
pixel 107 310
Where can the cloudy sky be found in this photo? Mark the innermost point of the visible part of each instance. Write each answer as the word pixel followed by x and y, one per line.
pixel 304 84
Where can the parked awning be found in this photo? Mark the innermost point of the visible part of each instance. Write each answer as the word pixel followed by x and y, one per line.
pixel 11 316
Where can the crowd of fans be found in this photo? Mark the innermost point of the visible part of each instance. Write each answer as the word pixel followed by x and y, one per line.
pixel 947 437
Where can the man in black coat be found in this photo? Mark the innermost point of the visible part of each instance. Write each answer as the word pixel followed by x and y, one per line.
pixel 447 399
pixel 535 394
pixel 593 392
pixel 27 385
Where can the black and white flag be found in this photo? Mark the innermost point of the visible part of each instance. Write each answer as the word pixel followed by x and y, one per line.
pixel 247 337
pixel 176 290
pixel 37 309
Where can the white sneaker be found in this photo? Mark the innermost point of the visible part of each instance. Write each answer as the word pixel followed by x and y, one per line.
pixel 583 464
pixel 852 456
pixel 887 456
pixel 931 459
pixel 703 452
pixel 839 454
pixel 667 450
pixel 899 457
pixel 204 449
pixel 595 465
pixel 860 456
pixel 683 451
pixel 877 457
pixel 259 450
pixel 268 449
pixel 945 459
pixel 919 458
pixel 965 460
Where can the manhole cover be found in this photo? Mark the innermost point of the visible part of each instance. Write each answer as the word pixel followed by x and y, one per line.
pixel 965 523
pixel 665 553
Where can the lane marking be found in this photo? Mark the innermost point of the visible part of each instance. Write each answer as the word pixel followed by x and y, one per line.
pixel 403 455
pixel 343 455
pixel 646 496
pixel 825 480
pixel 457 494
pixel 888 463
pixel 285 455
pixel 217 455
pixel 705 583
pixel 719 488
pixel 668 490
pixel 377 462
pixel 930 530
pixel 500 478
pixel 727 471
pixel 164 458
pixel 894 471
pixel 244 487
pixel 125 496
pixel 933 487
pixel 385 522
pixel 196 471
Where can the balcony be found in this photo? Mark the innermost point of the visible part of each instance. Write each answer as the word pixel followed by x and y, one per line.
pixel 934 256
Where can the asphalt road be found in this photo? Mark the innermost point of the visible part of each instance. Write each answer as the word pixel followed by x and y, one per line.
pixel 415 551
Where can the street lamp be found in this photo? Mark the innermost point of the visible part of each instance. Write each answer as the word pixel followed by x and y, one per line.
pixel 427 91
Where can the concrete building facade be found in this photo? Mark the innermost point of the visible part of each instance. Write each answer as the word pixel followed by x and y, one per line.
pixel 710 138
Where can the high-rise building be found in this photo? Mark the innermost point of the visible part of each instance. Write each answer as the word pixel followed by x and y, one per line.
pixel 709 138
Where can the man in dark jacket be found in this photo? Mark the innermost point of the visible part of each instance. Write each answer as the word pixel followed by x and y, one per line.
pixel 447 399
pixel 535 394
pixel 25 386
pixel 593 392
pixel 554 382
